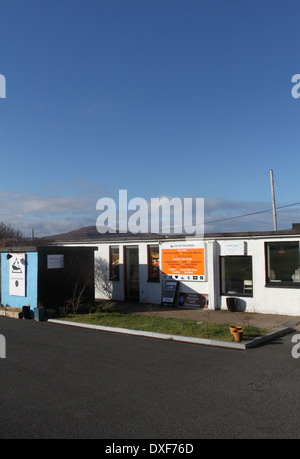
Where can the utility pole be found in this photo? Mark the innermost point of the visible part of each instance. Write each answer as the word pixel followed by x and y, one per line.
pixel 273 201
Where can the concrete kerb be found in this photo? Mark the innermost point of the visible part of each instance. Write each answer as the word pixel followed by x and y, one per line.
pixel 184 339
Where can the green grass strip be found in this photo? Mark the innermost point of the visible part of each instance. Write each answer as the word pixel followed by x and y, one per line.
pixel 167 325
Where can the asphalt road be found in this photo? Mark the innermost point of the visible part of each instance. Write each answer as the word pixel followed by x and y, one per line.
pixel 61 382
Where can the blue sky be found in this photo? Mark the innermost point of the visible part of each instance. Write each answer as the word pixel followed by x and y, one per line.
pixel 162 97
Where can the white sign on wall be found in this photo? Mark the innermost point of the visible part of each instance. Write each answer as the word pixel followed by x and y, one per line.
pixel 55 261
pixel 17 274
pixel 235 248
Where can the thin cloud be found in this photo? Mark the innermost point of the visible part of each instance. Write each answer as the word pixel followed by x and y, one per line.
pixel 50 214
pixel 46 214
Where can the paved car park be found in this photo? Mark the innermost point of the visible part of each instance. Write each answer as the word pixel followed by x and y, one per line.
pixel 62 382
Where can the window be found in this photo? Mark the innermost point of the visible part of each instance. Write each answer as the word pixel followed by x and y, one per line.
pixel 114 264
pixel 153 263
pixel 236 275
pixel 282 264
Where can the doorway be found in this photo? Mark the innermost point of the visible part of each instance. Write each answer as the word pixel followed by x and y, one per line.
pixel 132 284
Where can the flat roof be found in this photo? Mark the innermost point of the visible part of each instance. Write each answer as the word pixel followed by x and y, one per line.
pixel 115 238
pixel 44 248
pixel 91 242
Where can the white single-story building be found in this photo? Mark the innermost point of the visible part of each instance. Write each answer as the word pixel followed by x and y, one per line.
pixel 260 269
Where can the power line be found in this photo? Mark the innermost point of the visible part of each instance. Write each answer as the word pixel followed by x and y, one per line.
pixel 244 215
pixel 253 213
pixel 283 198
pixel 236 183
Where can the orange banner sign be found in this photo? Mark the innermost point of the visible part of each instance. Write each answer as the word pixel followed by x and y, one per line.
pixel 183 263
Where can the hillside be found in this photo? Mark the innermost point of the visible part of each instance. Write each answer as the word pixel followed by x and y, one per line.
pixel 91 233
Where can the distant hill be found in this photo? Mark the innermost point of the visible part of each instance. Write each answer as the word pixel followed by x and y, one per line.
pixel 91 232
pixel 87 232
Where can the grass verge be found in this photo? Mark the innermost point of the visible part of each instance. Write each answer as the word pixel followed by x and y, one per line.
pixel 167 325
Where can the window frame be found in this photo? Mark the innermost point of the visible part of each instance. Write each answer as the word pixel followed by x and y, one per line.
pixel 277 283
pixel 149 277
pixel 233 292
pixel 114 271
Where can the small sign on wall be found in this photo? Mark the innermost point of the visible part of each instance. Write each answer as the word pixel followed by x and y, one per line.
pixel 55 261
pixel 235 248
pixel 17 274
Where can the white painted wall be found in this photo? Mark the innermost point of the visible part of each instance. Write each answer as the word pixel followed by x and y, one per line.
pixel 150 292
pixel 271 300
pixel 105 288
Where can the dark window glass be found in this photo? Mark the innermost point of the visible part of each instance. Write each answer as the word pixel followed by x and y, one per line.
pixel 236 275
pixel 282 263
pixel 114 264
pixel 153 263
